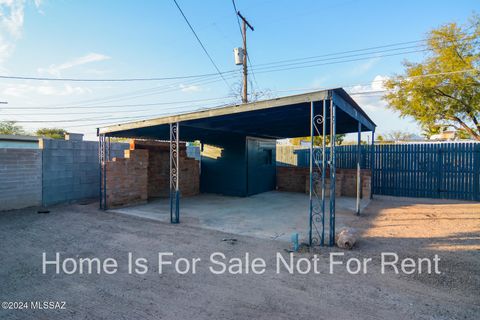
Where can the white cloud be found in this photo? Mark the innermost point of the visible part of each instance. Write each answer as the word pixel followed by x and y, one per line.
pixel 12 16
pixel 370 101
pixel 55 70
pixel 11 25
pixel 364 67
pixel 190 88
pixel 319 82
pixel 377 84
pixel 24 90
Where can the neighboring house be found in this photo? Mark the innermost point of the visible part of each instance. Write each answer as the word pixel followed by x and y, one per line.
pixel 284 142
pixel 18 142
pixel 447 135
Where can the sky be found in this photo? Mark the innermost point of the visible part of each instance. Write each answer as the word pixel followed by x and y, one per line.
pixel 150 39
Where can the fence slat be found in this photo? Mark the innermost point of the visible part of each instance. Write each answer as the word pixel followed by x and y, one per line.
pixel 435 170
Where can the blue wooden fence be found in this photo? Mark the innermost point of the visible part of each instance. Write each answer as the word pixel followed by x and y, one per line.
pixel 434 170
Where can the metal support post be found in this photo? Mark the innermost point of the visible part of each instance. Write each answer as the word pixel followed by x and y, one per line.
pixel 317 176
pixel 100 170
pixel 332 173
pixel 372 164
pixel 102 157
pixel 324 166
pixel 174 173
pixel 312 114
pixel 359 155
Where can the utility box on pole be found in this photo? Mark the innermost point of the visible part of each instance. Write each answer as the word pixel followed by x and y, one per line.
pixel 238 53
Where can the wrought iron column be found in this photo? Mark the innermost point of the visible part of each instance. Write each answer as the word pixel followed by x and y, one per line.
pixel 312 113
pixel 102 156
pixel 372 163
pixel 332 172
pixel 317 173
pixel 359 155
pixel 324 166
pixel 174 173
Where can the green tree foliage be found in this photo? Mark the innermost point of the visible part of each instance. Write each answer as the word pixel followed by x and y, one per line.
pixel 430 130
pixel 443 90
pixel 11 127
pixel 54 133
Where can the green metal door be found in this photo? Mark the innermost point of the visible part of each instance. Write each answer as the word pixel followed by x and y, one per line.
pixel 261 165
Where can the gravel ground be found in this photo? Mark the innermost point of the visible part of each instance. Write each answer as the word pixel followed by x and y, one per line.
pixel 411 228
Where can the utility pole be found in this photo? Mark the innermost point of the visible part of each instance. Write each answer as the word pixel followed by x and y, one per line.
pixel 245 71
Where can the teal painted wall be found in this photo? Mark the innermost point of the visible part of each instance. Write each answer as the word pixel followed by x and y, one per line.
pixel 18 144
pixel 242 168
pixel 227 174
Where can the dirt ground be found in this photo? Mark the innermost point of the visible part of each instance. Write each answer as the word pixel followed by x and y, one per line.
pixel 412 228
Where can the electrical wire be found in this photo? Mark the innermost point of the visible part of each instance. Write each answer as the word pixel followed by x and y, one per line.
pixel 201 44
pixel 469 37
pixel 176 108
pixel 123 106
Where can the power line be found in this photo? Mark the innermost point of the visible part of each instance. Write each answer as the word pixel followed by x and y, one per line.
pixel 135 94
pixel 201 44
pixel 338 62
pixel 375 81
pixel 262 65
pixel 339 57
pixel 467 38
pixel 120 106
pixel 139 117
pixel 142 117
pixel 109 80
pixel 311 89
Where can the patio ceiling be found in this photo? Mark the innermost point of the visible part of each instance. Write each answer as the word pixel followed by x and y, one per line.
pixel 278 118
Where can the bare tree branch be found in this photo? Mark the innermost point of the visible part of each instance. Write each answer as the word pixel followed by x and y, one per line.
pixel 466 127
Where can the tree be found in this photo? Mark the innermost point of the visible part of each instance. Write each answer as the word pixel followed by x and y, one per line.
pixel 443 90
pixel 10 127
pixel 54 133
pixel 428 131
pixel 399 136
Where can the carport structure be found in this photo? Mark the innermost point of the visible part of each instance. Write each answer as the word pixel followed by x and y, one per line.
pixel 237 129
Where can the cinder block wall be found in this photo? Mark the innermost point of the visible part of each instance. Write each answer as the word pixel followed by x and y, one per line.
pixel 127 179
pixel 71 169
pixel 296 179
pixel 21 178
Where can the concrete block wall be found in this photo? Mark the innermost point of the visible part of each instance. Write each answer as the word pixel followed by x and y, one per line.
pixel 297 179
pixel 21 178
pixel 71 169
pixel 127 179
